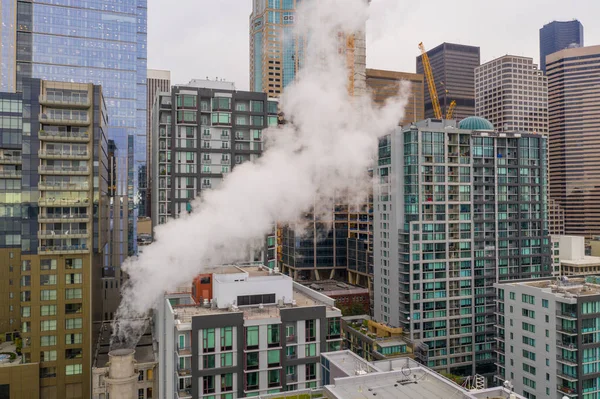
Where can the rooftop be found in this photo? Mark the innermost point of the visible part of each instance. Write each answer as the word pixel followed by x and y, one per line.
pixel 335 288
pixel 565 287
pixel 586 261
pixel 144 350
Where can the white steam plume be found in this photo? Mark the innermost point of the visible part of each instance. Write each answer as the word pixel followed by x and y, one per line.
pixel 328 144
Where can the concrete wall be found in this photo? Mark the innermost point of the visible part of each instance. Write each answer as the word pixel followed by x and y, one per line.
pixel 571 247
pixel 22 381
pixel 226 289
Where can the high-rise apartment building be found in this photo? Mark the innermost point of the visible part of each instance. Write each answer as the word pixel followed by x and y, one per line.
pixel 559 35
pixel 199 136
pixel 157 81
pixel 96 42
pixel 546 336
pixel 385 84
pixel 258 333
pixel 573 106
pixel 276 52
pixel 457 208
pixel 53 142
pixel 512 93
pixel 453 67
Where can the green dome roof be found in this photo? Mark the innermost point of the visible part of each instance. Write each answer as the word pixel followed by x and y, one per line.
pixel 475 123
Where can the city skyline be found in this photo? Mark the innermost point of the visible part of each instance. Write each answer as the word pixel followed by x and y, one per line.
pixel 396 51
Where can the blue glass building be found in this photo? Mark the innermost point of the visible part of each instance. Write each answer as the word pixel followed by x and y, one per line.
pixel 559 35
pixel 92 41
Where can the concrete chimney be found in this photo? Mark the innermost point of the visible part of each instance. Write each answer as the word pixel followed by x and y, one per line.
pixel 122 377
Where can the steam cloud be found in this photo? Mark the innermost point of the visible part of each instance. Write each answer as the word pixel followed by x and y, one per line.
pixel 325 149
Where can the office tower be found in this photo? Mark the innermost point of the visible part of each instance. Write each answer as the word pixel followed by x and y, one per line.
pixel 258 333
pixel 8 44
pixel 573 100
pixel 56 144
pixel 559 35
pixel 94 42
pixel 545 352
pixel 453 67
pixel 385 84
pixel 471 210
pixel 157 81
pixel 200 135
pixel 556 218
pixel 276 52
pixel 512 93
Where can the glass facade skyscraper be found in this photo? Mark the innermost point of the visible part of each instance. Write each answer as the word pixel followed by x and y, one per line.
pixel 559 35
pixel 101 42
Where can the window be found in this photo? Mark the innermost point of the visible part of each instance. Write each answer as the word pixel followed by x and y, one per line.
pixel 48 356
pixel 48 264
pixel 208 384
pixel 333 328
pixel 226 359
pixel 73 264
pixel 528 313
pixel 25 311
pixel 256 106
pixel 544 303
pixel 252 337
pixel 73 323
pixel 255 299
pixel 227 382
pixel 48 310
pixel 76 353
pixel 291 352
pixel 48 279
pixel 528 341
pixel 47 372
pixel 252 361
pixel 528 327
pixel 73 308
pixel 73 369
pixel 48 325
pixel 73 293
pixel 310 330
pixel 311 350
pixel 274 378
pixel 528 299
pixel 208 340
pixel 208 361
pixel 226 338
pixel 529 355
pixel 71 339
pixel 251 381
pixel 73 278
pixel 48 295
pixel 273 358
pixel 273 335
pixel 311 371
pixel 528 368
pixel 48 340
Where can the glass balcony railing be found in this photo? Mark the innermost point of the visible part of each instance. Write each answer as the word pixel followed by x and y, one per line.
pixel 13 160
pixel 63 218
pixel 55 186
pixel 11 174
pixel 77 154
pixel 58 233
pixel 51 99
pixel 66 249
pixel 51 169
pixel 64 136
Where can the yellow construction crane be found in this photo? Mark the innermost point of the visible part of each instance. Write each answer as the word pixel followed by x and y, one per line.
pixel 450 110
pixel 430 83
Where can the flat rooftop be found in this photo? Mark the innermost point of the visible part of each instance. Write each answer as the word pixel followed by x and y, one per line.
pixel 566 287
pixel 585 261
pixel 335 288
pixel 144 350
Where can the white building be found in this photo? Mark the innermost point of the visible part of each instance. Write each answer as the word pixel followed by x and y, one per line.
pixel 260 333
pixel 512 93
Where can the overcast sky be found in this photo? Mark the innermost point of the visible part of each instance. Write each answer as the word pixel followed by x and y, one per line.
pixel 200 38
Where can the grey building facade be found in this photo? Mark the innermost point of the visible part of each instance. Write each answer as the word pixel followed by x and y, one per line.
pixel 457 208
pixel 453 67
pixel 547 333
pixel 199 136
pixel 559 35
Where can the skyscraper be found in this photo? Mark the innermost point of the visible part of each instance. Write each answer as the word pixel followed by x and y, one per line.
pixel 574 103
pixel 97 42
pixel 470 210
pixel 453 67
pixel 559 35
pixel 512 93
pixel 276 52
pixel 54 179
pixel 157 81
pixel 385 84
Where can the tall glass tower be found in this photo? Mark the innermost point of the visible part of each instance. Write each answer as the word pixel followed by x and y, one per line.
pixel 559 35
pixel 101 42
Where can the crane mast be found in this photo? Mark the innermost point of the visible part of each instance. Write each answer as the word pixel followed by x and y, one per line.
pixel 430 83
pixel 450 110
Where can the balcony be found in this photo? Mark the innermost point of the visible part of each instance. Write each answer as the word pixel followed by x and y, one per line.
pixel 77 137
pixel 63 170
pixel 10 160
pixel 70 218
pixel 291 378
pixel 183 372
pixel 566 315
pixel 60 186
pixel 567 391
pixel 63 249
pixel 63 233
pixel 565 376
pixel 63 154
pixel 570 344
pixel 11 174
pixel 65 101
pixel 63 202
pixel 566 330
pixel 571 361
pixel 184 393
pixel 65 118
pixel 185 351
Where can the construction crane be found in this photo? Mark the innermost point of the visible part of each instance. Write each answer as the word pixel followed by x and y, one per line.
pixel 430 83
pixel 450 110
